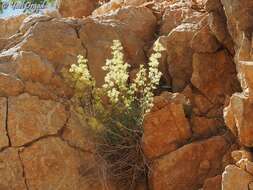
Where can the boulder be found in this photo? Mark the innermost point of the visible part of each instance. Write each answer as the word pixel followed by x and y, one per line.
pixel 189 166
pixel 235 178
pixel 54 40
pixel 213 183
pixel 217 24
pixel 181 12
pixel 10 85
pixel 238 118
pixel 4 139
pixel 208 69
pixel 203 127
pixel 77 8
pixel 50 164
pixel 114 5
pixel 179 55
pixel 166 128
pixel 30 118
pixel 10 26
pixel 213 5
pixel 133 26
pixel 204 41
pixel 77 132
pixel 12 171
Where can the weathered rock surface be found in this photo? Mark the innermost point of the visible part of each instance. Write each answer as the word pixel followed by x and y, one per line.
pixel 187 167
pixel 77 133
pixel 133 26
pixel 4 139
pixel 166 128
pixel 44 144
pixel 10 26
pixel 30 118
pixel 213 183
pixel 235 178
pixel 51 164
pixel 208 69
pixel 12 171
pixel 114 5
pixel 76 8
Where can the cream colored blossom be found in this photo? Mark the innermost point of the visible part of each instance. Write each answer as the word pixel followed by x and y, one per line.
pixel 117 86
pixel 116 79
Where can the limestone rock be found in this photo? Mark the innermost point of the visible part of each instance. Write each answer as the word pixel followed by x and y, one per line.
pixel 204 42
pixel 217 24
pixel 180 54
pixel 139 20
pixel 238 118
pixel 213 183
pixel 77 133
pixel 235 178
pixel 80 8
pixel 11 175
pixel 205 127
pixel 10 26
pixel 132 26
pixel 10 85
pixel 213 5
pixel 55 41
pixel 165 129
pixel 208 69
pixel 50 164
pixel 4 139
pixel 181 13
pixel 114 5
pixel 30 118
pixel 31 67
pixel 188 167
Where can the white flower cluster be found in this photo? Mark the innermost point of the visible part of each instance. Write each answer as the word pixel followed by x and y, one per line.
pixel 80 73
pixel 154 76
pixel 116 79
pixel 117 86
pixel 146 81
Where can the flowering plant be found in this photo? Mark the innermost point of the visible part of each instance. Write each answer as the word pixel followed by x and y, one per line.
pixel 123 115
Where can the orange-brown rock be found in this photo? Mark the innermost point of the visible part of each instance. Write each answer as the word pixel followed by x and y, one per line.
pixel 52 164
pixel 30 118
pixel 12 174
pixel 213 183
pixel 114 5
pixel 10 26
pixel 181 12
pixel 204 41
pixel 10 85
pixel 208 69
pixel 54 40
pixel 133 26
pixel 217 24
pixel 179 55
pixel 235 178
pixel 213 5
pixel 139 20
pixel 77 8
pixel 203 127
pixel 31 67
pixel 188 167
pixel 238 118
pixel 77 132
pixel 166 128
pixel 4 139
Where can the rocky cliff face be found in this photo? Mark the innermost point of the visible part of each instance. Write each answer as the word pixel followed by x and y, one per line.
pixel 198 135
